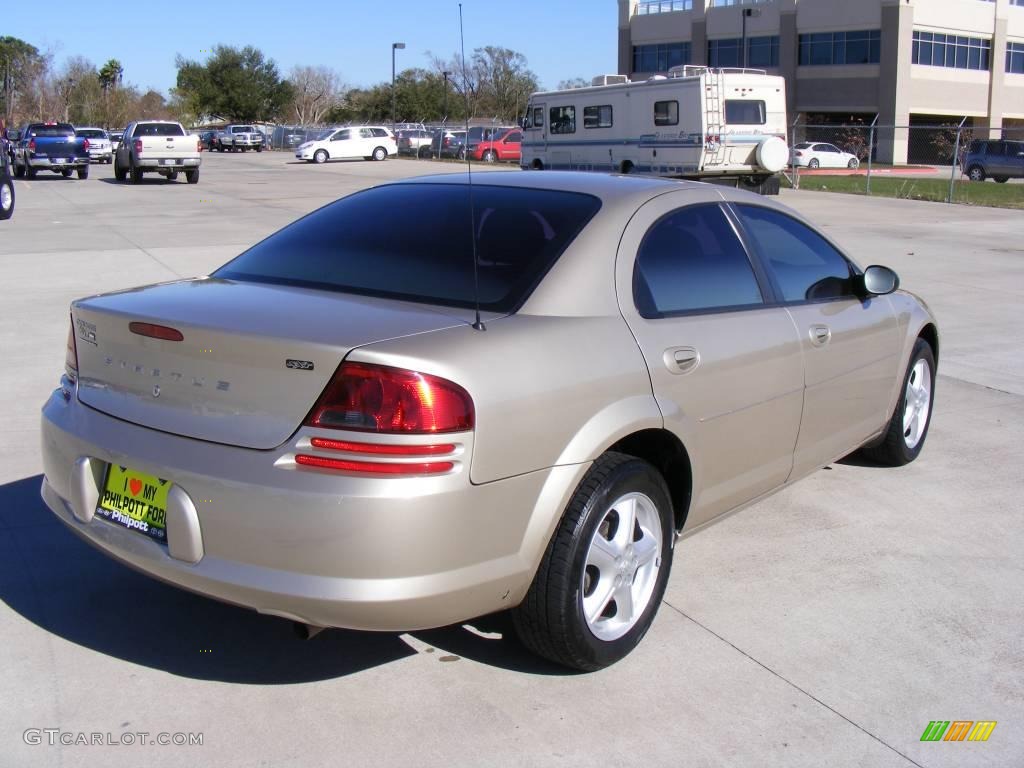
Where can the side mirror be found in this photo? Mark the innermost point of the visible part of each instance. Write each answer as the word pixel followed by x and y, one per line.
pixel 878 281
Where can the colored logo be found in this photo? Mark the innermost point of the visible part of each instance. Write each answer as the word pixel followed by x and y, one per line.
pixel 958 730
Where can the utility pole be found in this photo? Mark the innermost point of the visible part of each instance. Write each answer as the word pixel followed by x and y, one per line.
pixel 394 47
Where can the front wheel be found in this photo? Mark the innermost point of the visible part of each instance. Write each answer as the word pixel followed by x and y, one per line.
pixel 490 157
pixel 320 156
pixel 83 173
pixel 905 435
pixel 379 153
pixel 603 575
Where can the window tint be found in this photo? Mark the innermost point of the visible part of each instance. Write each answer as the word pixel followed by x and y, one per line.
pixel 563 119
pixel 41 130
pixel 692 260
pixel 343 247
pixel 805 266
pixel 514 138
pixel 666 113
pixel 158 129
pixel 538 117
pixel 90 133
pixel 597 117
pixel 378 132
pixel 742 112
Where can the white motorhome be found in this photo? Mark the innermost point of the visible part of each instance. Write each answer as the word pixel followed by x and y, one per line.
pixel 698 123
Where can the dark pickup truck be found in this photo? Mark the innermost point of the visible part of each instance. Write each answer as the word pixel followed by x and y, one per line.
pixel 50 147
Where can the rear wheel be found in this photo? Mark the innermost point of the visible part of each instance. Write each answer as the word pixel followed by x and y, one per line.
pixel 853 164
pixel 6 199
pixel 904 437
pixel 172 176
pixel 320 156
pixel 1001 179
pixel 134 173
pixel 83 172
pixel 976 173
pixel 424 153
pixel 30 172
pixel 814 163
pixel 379 153
pixel 19 171
pixel 603 575
pixel 192 177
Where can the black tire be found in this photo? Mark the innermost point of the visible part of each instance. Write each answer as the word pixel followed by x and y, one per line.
pixel 626 167
pixel 19 171
pixel 30 172
pixel 135 174
pixel 192 176
pixel 1001 179
pixel 320 156
pixel 423 153
pixel 119 173
pixel 83 173
pixel 379 153
pixel 976 173
pixel 66 173
pixel 550 620
pixel 172 176
pixel 814 163
pixel 259 148
pixel 892 448
pixel 6 199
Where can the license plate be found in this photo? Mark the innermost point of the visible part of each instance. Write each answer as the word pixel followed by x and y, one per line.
pixel 57 160
pixel 167 162
pixel 136 501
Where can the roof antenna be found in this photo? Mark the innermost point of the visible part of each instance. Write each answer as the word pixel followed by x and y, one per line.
pixel 478 324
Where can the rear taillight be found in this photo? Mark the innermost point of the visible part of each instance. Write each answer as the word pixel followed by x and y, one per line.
pixel 71 355
pixel 138 147
pixel 377 398
pixel 32 145
pixel 85 144
pixel 199 145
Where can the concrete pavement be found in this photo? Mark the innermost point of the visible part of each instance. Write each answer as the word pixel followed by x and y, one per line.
pixel 825 626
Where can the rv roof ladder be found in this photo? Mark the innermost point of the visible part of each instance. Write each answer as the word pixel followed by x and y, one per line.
pixel 714 86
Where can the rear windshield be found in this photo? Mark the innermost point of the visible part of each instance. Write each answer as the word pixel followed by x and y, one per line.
pixel 60 129
pixel 91 133
pixel 243 129
pixel 158 129
pixel 350 245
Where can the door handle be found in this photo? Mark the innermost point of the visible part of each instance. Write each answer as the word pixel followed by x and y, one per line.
pixel 820 335
pixel 681 360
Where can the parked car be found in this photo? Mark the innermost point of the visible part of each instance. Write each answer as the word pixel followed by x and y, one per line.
pixel 157 146
pixel 370 142
pixel 208 140
pixel 6 187
pixel 414 141
pixel 641 356
pixel 998 158
pixel 239 138
pixel 446 143
pixel 818 154
pixel 51 147
pixel 10 140
pixel 99 144
pixel 503 147
pixel 115 140
pixel 481 133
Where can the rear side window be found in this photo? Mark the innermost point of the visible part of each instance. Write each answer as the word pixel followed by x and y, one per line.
pixel 743 112
pixel 802 262
pixel 378 132
pixel 348 247
pixel 59 129
pixel 597 116
pixel 158 129
pixel 666 113
pixel 692 260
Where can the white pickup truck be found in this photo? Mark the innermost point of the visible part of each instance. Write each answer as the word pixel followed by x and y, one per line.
pixel 157 146
pixel 239 138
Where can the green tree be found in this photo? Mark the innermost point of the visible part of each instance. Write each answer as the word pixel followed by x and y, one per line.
pixel 233 84
pixel 22 67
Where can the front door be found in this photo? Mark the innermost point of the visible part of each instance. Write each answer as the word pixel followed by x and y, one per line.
pixel 851 346
pixel 725 368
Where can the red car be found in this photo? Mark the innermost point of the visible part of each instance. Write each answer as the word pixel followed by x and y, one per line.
pixel 506 146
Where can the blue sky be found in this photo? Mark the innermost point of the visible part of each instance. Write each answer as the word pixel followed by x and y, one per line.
pixel 561 40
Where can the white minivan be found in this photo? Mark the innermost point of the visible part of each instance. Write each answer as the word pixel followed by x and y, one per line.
pixel 370 142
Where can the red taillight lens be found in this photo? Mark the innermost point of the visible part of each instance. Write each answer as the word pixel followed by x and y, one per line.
pixel 71 354
pixel 156 331
pixel 138 147
pixel 381 449
pixel 85 144
pixel 377 398
pixel 374 467
pixel 199 145
pixel 32 145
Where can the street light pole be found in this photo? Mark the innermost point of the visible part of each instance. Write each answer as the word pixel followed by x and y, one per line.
pixel 446 76
pixel 394 47
pixel 747 13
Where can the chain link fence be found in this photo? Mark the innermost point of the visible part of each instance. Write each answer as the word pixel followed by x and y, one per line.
pixel 940 161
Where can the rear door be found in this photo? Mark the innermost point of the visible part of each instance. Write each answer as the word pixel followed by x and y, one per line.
pixel 851 346
pixel 725 365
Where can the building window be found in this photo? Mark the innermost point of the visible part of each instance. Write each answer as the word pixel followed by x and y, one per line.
pixel 725 53
pixel 832 48
pixel 934 49
pixel 1015 57
pixel 648 7
pixel 597 117
pixel 763 51
pixel 563 120
pixel 660 57
pixel 666 113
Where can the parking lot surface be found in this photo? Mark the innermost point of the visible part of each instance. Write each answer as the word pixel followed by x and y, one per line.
pixel 825 626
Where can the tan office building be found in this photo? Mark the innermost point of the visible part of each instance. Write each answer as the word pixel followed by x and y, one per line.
pixel 905 61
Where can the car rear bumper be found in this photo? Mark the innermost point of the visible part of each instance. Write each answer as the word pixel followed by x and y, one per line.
pixel 47 163
pixel 311 546
pixel 176 164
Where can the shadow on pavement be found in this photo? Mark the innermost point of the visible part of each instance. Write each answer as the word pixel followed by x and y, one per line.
pixel 57 581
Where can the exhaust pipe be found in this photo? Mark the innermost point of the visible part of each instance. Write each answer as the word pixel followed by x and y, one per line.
pixel 306 631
